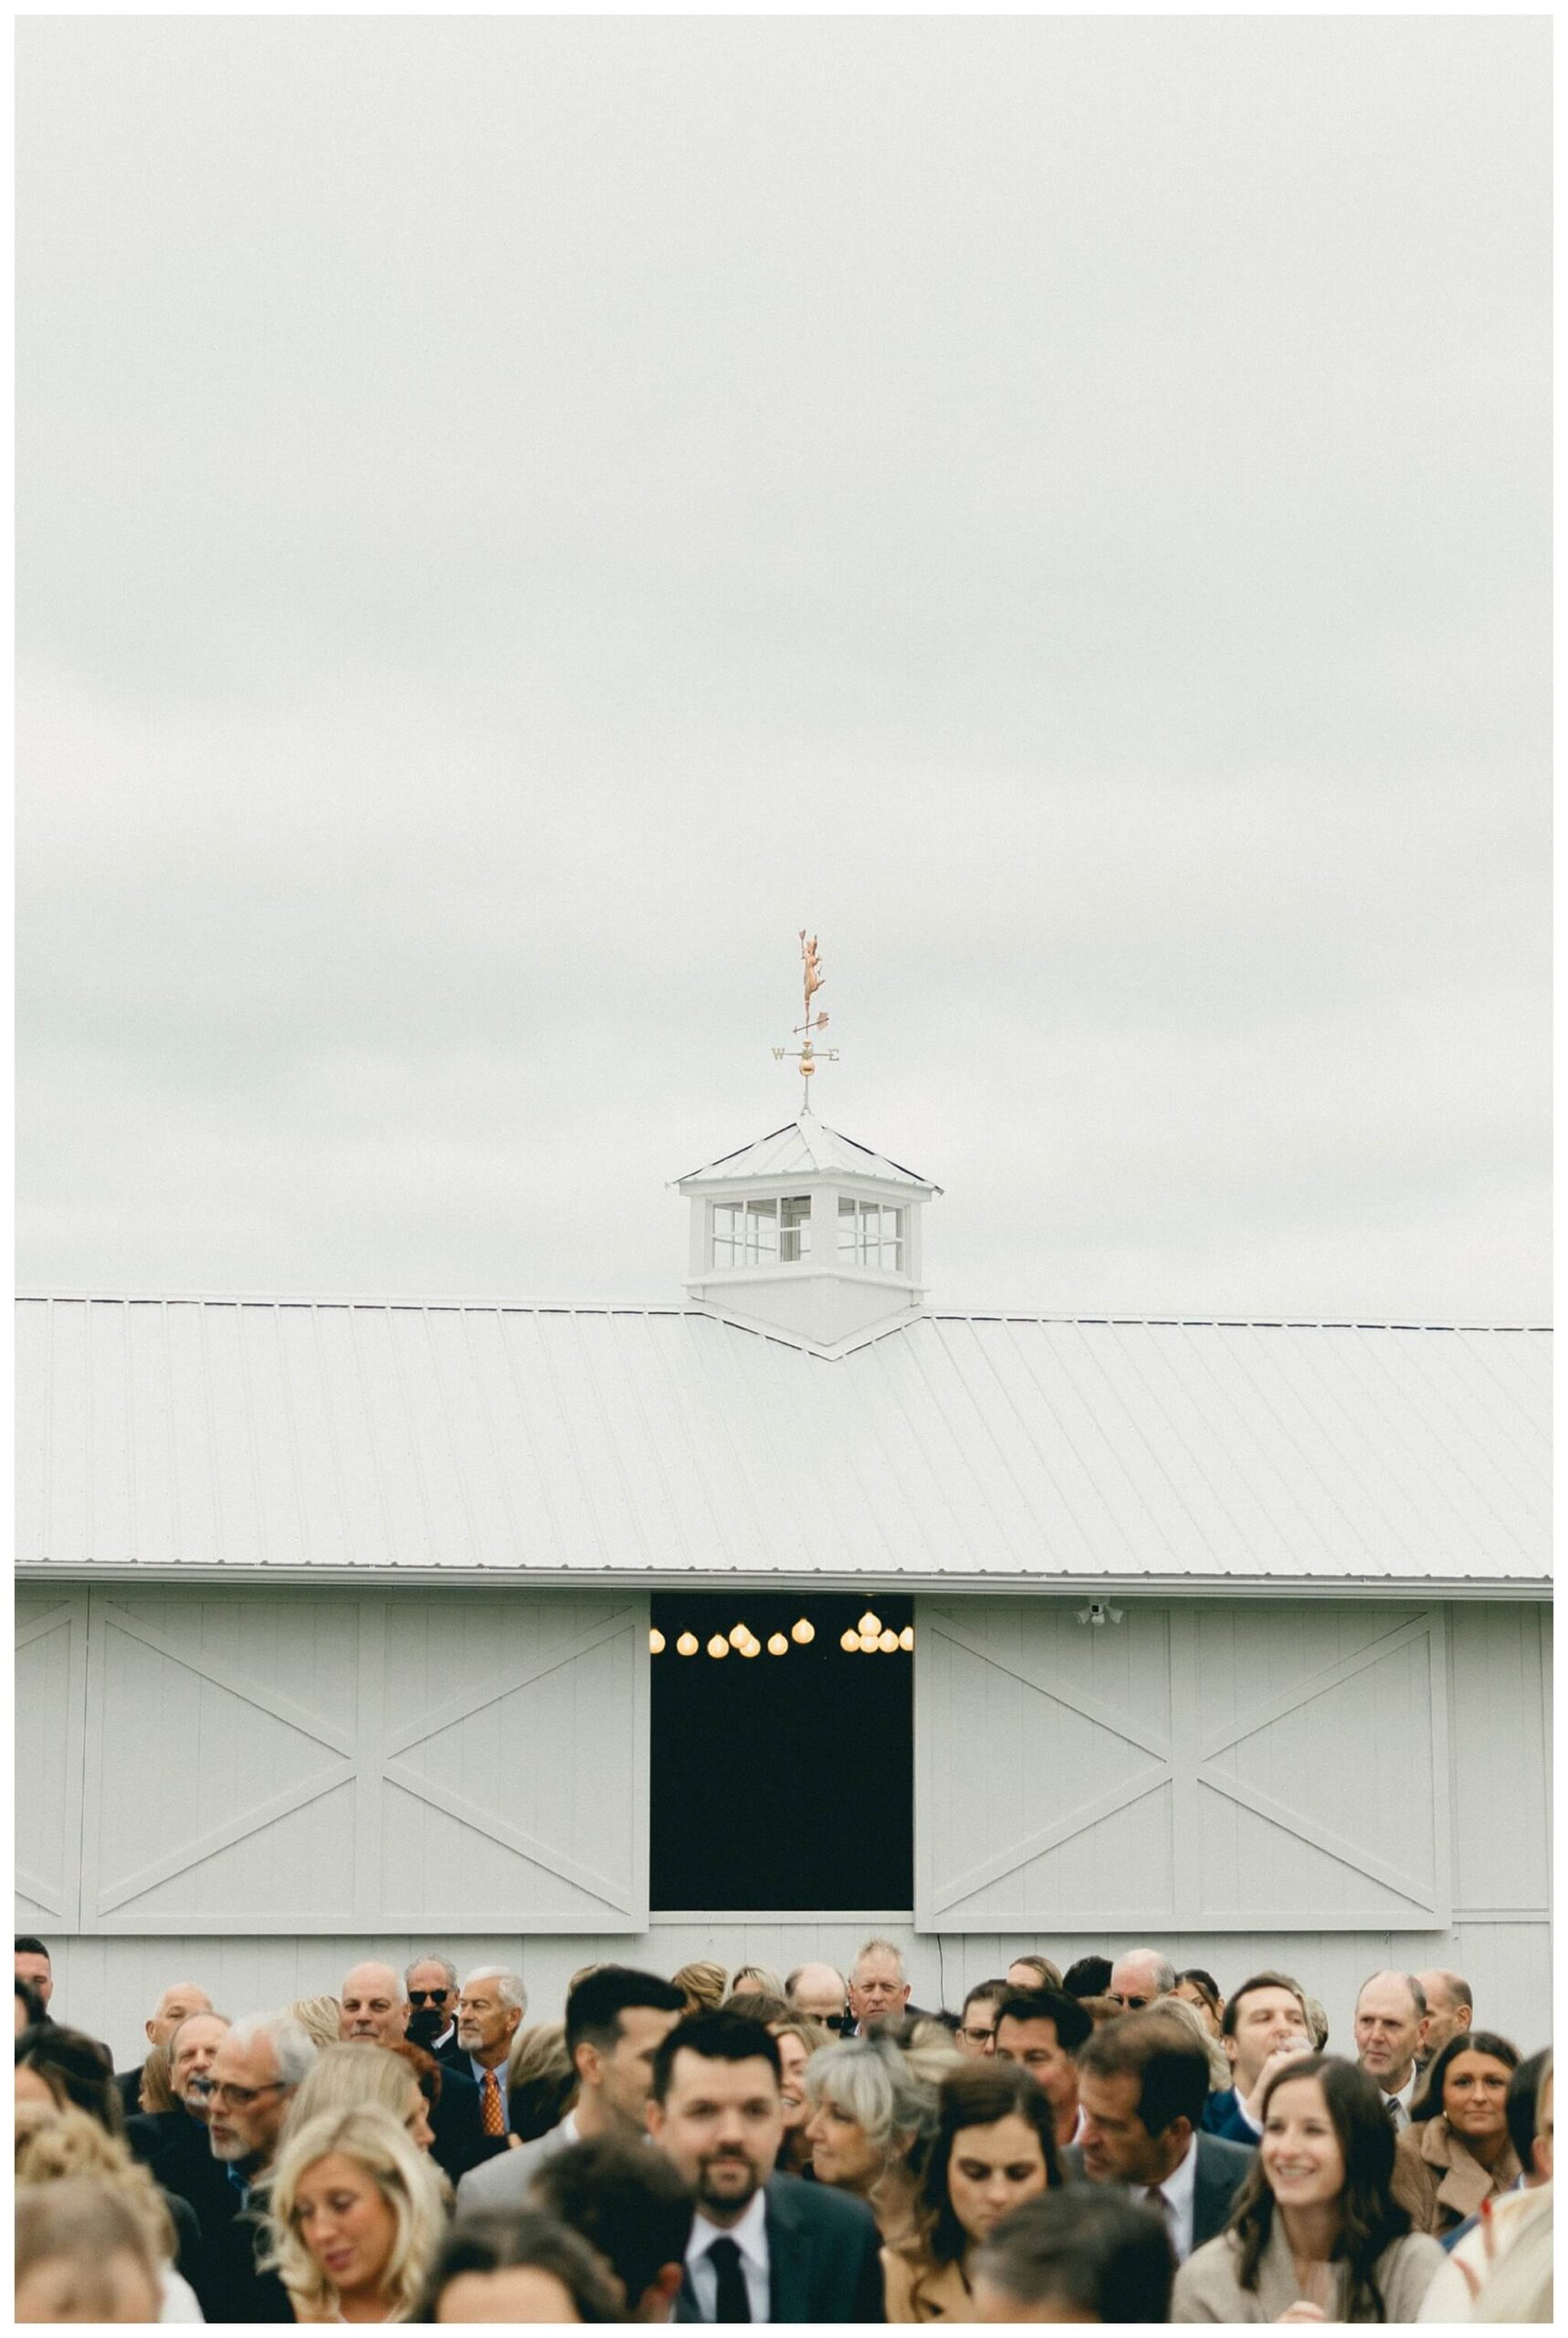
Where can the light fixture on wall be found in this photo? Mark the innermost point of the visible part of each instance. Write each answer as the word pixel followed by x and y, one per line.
pixel 1099 1611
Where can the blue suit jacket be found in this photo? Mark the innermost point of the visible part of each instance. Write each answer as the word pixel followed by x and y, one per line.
pixel 1223 2116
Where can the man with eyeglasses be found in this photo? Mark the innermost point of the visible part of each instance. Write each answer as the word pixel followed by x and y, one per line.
pixel 977 2022
pixel 1139 1975
pixel 431 1981
pixel 259 2064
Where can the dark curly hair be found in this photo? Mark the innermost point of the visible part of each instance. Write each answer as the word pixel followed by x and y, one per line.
pixel 979 2095
pixel 1371 2218
pixel 1429 2101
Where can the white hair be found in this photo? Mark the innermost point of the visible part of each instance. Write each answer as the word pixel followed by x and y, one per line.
pixel 510 1987
pixel 430 1957
pixel 880 1948
pixel 290 2042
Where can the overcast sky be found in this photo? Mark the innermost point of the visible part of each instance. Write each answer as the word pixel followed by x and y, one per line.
pixel 518 517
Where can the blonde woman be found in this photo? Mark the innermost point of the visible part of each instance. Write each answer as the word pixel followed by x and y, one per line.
pixel 155 2092
pixel 54 2147
pixel 356 2216
pixel 704 1984
pixel 540 2083
pixel 758 1980
pixel 798 2038
pixel 352 2078
pixel 321 2018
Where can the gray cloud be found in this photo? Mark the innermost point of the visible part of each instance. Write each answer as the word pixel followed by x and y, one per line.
pixel 516 516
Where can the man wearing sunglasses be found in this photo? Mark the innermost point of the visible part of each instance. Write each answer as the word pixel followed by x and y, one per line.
pixel 431 1981
pixel 1139 1975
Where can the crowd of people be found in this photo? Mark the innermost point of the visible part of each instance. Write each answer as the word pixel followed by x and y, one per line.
pixel 1122 2142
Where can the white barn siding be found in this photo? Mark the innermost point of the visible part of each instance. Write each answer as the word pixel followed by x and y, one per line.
pixel 1276 1764
pixel 278 1781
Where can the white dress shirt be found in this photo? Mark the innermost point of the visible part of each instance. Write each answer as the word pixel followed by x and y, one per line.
pixel 750 2237
pixel 1178 2200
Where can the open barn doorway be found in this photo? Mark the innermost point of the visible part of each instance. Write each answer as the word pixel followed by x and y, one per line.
pixel 783 1779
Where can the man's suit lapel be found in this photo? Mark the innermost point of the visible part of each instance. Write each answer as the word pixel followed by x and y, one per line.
pixel 1211 2199
pixel 789 2286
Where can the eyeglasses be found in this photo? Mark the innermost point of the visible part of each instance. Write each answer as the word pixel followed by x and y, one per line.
pixel 239 2098
pixel 428 1997
pixel 1128 2003
pixel 977 2037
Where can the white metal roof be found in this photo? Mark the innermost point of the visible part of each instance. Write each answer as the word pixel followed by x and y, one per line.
pixel 803 1147
pixel 241 1437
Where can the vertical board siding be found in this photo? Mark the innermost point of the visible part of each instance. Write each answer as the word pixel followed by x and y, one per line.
pixel 1216 1763
pixel 110 1986
pixel 501 1792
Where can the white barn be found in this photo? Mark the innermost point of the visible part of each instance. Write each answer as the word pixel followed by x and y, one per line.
pixel 337 1625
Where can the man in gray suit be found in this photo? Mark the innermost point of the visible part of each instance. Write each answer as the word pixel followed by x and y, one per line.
pixel 1143 2081
pixel 764 2247
pixel 615 2021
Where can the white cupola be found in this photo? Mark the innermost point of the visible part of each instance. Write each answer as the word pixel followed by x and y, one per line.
pixel 807 1232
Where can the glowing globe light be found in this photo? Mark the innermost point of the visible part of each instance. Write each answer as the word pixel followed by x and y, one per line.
pixel 907 1637
pixel 849 1642
pixel 739 1635
pixel 887 1641
pixel 866 1640
pixel 687 1644
pixel 656 1642
pixel 803 1633
pixel 869 1623
pixel 751 1648
pixel 777 1644
pixel 718 1645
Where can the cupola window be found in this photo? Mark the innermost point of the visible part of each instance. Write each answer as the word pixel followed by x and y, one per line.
pixel 762 1232
pixel 870 1234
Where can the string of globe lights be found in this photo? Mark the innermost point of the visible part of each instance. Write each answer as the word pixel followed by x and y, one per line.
pixel 870 1637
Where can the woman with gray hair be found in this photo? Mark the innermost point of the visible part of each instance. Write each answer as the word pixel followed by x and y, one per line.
pixel 872 2119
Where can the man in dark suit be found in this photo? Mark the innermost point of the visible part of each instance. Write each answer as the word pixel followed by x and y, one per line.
pixel 1143 2081
pixel 764 2247
pixel 178 2002
pixel 431 1983
pixel 375 2010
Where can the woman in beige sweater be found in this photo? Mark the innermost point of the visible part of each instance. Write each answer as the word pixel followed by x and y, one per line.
pixel 1456 2152
pixel 1316 2234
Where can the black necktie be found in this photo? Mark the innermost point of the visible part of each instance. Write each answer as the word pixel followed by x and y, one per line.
pixel 735 2303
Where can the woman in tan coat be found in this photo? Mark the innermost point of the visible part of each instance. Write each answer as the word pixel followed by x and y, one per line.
pixel 1456 2152
pixel 1315 2224
pixel 995 2147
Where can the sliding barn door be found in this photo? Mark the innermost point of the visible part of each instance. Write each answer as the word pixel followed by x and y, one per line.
pixel 1226 1765
pixel 301 1761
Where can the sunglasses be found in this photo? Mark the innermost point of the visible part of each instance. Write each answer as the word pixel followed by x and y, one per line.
pixel 428 1997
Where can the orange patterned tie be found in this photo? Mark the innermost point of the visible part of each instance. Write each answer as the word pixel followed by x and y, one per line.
pixel 490 2117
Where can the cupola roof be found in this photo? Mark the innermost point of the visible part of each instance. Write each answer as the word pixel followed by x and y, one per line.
pixel 803 1147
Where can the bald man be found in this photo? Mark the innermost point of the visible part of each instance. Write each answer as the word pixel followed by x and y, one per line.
pixel 820 1990
pixel 180 1998
pixel 1450 2009
pixel 375 2009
